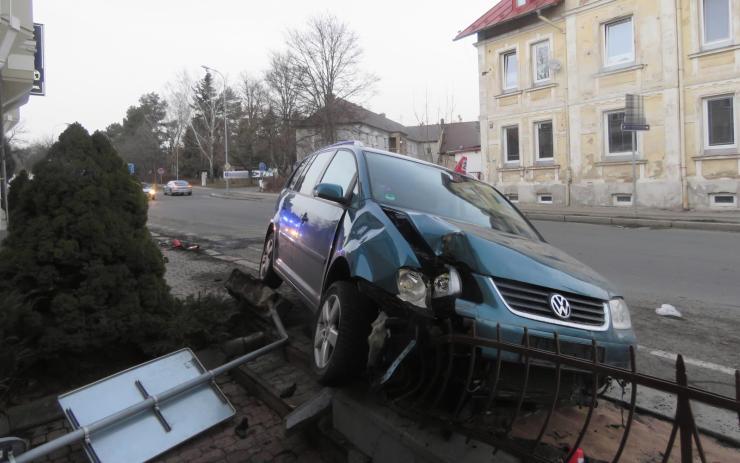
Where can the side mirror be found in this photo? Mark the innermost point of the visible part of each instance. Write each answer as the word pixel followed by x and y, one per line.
pixel 330 191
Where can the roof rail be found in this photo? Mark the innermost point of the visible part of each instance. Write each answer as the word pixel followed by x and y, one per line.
pixel 347 142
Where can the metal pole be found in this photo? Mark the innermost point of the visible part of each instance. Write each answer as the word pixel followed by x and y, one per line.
pixel 3 154
pixel 226 133
pixel 86 431
pixel 634 170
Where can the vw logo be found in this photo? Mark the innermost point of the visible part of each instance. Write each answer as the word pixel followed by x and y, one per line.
pixel 560 306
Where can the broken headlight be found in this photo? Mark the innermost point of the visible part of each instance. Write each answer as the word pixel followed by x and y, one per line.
pixel 412 287
pixel 447 284
pixel 620 314
pixel 415 288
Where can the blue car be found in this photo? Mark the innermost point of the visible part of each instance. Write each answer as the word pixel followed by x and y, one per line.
pixel 360 231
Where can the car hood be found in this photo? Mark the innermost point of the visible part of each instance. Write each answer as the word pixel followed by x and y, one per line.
pixel 494 253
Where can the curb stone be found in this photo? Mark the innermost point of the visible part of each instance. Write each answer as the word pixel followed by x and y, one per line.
pixel 635 222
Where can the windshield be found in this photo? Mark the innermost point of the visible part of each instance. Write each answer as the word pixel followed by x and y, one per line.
pixel 406 184
pixel 181 183
pixel 145 185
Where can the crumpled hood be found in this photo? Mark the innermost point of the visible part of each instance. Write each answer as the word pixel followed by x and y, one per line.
pixel 490 252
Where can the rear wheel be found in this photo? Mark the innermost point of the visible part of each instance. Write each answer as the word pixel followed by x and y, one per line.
pixel 190 193
pixel 343 323
pixel 267 273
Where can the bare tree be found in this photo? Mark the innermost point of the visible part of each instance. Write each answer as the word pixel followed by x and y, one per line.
pixel 179 115
pixel 326 55
pixel 284 91
pixel 254 102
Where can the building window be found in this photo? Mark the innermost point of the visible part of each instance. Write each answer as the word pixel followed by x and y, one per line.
pixel 543 140
pixel 513 197
pixel 622 199
pixel 511 144
pixel 619 42
pixel 716 22
pixel 511 71
pixel 521 2
pixel 541 62
pixel 618 141
pixel 719 122
pixel 544 198
pixel 724 200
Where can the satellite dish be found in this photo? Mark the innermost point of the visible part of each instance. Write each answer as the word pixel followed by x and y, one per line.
pixel 555 65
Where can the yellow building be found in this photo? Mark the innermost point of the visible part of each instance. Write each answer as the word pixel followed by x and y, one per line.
pixel 553 80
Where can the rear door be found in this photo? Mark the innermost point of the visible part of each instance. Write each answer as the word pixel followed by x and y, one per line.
pixel 319 221
pixel 292 226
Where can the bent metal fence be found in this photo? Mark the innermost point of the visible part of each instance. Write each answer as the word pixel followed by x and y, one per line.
pixel 452 384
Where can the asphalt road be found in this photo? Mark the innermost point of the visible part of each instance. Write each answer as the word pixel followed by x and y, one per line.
pixel 696 271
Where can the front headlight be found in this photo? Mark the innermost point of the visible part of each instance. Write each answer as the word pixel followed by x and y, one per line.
pixel 620 314
pixel 412 288
pixel 447 284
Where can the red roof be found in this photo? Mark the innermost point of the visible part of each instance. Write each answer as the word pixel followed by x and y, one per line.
pixel 504 11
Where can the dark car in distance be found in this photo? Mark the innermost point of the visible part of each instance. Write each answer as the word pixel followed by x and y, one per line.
pixel 359 230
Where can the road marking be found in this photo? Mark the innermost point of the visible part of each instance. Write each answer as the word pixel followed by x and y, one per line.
pixel 688 360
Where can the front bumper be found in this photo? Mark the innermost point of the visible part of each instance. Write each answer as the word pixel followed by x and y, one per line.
pixel 491 316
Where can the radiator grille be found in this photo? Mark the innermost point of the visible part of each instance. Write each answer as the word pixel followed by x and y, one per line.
pixel 535 300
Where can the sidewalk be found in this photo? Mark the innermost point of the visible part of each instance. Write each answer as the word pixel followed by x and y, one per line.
pixel 640 217
pixel 248 193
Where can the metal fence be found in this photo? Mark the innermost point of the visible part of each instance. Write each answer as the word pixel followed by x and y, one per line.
pixel 446 379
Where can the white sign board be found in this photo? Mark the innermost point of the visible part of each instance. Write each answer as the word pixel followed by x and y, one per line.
pixel 150 433
pixel 232 174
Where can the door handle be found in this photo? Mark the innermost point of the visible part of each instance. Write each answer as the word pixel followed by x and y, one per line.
pixel 304 217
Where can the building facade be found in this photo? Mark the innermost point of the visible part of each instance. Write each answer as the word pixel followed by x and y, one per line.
pixel 553 77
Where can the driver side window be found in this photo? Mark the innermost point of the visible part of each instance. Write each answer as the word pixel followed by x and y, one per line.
pixel 341 171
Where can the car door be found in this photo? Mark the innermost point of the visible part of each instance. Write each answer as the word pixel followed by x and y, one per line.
pixel 291 224
pixel 284 223
pixel 320 219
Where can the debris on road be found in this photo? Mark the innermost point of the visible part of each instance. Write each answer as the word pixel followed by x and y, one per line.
pixel 178 244
pixel 667 310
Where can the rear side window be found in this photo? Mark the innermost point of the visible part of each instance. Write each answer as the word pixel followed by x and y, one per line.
pixel 297 173
pixel 314 171
pixel 341 171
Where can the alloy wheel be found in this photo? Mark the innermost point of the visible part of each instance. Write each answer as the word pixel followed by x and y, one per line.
pixel 266 257
pixel 327 331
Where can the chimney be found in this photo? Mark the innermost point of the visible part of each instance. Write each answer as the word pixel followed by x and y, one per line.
pixel 382 115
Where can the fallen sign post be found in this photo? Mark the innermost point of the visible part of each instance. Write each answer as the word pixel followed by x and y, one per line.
pixel 109 426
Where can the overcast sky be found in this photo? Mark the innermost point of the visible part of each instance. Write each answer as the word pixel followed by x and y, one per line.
pixel 102 55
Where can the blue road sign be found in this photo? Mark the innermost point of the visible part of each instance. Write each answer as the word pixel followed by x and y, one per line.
pixel 131 168
pixel 263 167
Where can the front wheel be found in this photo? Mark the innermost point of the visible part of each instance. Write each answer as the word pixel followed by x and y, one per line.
pixel 343 323
pixel 267 272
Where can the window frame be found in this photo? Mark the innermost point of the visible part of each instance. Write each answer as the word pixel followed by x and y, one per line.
pixel 705 121
pixel 352 182
pixel 536 137
pixel 533 50
pixel 605 35
pixel 703 31
pixel 504 69
pixel 505 145
pixel 332 152
pixel 606 137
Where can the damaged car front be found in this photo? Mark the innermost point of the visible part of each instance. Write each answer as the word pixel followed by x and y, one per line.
pixel 429 249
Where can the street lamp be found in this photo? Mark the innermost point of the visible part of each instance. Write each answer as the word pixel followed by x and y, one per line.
pixel 226 131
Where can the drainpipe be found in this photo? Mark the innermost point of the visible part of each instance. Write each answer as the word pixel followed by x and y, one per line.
pixel 681 115
pixel 568 172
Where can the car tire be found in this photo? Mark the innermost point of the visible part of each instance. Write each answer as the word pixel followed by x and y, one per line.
pixel 346 316
pixel 266 271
